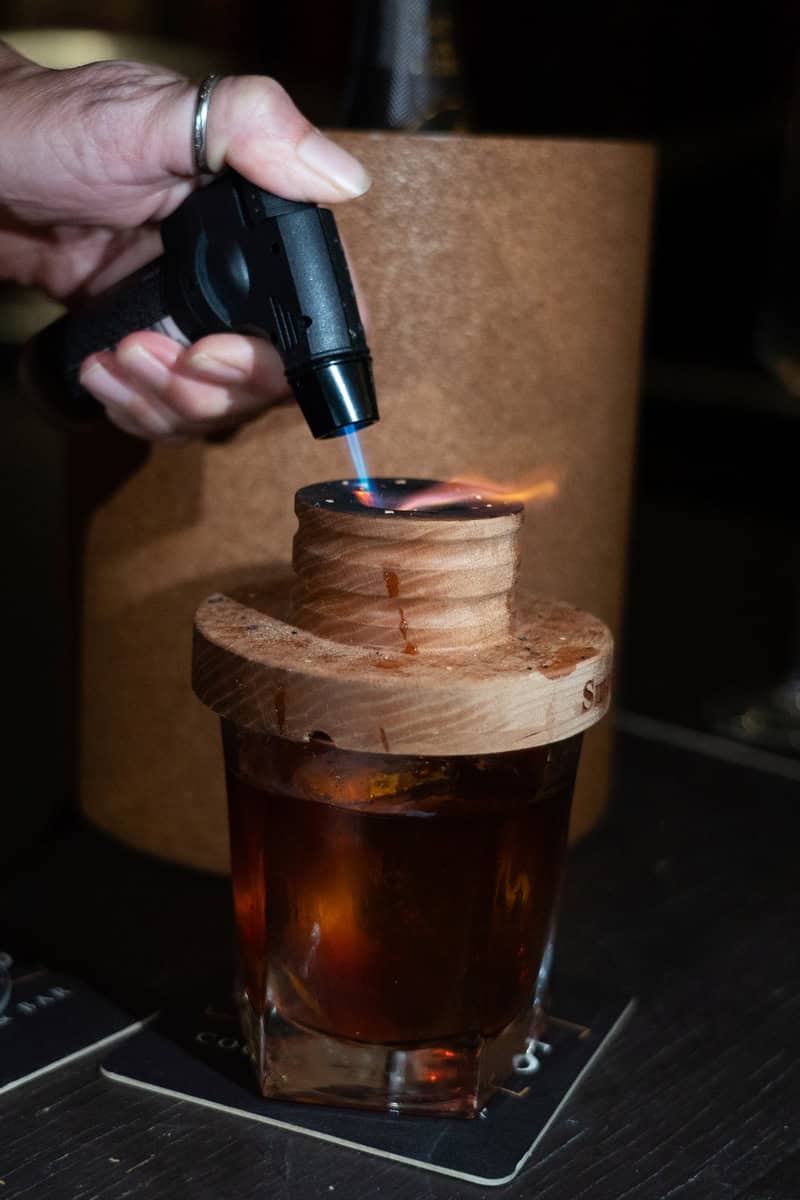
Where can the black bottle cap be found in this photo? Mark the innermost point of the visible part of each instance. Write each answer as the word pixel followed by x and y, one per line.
pixel 336 397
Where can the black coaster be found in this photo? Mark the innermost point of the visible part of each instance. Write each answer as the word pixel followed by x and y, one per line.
pixel 48 1019
pixel 200 1057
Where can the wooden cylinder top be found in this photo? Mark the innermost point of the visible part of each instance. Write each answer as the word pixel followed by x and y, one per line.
pixel 374 569
pixel 398 630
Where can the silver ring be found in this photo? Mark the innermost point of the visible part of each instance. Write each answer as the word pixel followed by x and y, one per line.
pixel 201 123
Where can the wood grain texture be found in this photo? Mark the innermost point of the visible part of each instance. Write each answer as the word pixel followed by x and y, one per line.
pixel 403 582
pixel 376 672
pixel 505 336
pixel 539 687
pixel 688 898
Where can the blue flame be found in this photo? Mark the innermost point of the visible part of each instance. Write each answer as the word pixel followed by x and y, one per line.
pixel 357 455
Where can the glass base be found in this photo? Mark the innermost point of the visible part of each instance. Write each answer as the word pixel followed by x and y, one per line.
pixel 454 1079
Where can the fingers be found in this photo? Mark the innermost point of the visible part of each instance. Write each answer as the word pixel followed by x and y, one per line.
pixel 153 388
pixel 254 126
pixel 114 142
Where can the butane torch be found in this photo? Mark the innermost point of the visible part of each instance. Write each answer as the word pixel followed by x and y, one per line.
pixel 236 259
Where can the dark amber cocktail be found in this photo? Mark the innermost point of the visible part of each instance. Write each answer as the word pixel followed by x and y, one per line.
pixel 393 915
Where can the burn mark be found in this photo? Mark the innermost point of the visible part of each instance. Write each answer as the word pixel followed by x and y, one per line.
pixel 384 739
pixel 409 647
pixel 279 702
pixel 564 660
pixel 393 591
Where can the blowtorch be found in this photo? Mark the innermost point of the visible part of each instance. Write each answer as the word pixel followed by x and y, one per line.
pixel 237 259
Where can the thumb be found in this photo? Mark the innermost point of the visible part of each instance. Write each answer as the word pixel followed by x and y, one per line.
pixel 254 127
pixel 111 142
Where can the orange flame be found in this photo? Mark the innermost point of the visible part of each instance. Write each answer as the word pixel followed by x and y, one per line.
pixel 541 486
pixel 366 496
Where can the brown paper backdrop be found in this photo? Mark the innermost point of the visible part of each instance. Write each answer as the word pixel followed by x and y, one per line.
pixel 505 281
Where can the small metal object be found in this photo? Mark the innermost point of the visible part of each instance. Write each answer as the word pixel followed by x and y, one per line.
pixel 204 93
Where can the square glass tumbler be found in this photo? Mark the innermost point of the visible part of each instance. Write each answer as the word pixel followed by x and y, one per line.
pixel 394 914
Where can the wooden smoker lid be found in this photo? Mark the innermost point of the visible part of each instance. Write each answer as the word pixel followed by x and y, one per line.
pixel 490 670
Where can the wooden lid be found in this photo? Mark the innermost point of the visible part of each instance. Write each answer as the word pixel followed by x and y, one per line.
pixel 399 631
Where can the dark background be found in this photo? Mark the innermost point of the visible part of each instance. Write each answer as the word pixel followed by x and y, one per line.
pixel 687 897
pixel 713 593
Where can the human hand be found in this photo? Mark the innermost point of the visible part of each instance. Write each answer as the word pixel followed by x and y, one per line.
pixel 91 161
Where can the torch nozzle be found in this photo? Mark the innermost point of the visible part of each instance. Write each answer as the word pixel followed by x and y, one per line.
pixel 336 397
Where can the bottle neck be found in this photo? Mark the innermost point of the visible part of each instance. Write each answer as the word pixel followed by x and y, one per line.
pixel 407 71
